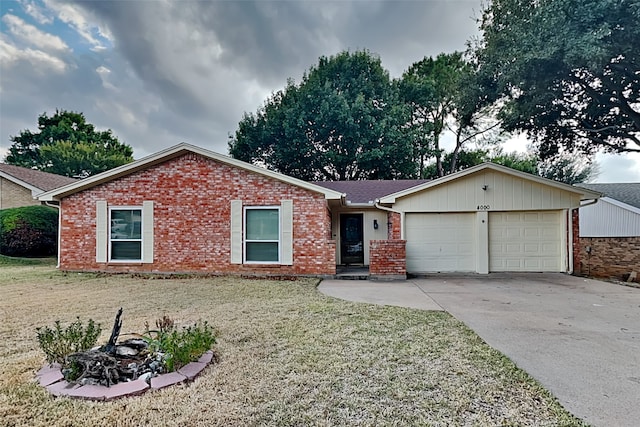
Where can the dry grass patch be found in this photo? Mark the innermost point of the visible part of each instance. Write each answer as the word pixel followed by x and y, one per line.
pixel 289 356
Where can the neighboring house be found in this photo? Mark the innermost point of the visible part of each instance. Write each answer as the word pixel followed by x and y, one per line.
pixel 610 232
pixel 187 209
pixel 19 186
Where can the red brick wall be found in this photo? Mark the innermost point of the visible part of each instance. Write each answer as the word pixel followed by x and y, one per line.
pixel 192 197
pixel 610 257
pixel 387 259
pixel 394 231
pixel 575 218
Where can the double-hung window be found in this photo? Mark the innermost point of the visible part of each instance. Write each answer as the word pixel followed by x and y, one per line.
pixel 262 234
pixel 125 234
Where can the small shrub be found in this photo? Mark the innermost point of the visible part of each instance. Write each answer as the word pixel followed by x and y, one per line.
pixel 30 231
pixel 58 342
pixel 178 348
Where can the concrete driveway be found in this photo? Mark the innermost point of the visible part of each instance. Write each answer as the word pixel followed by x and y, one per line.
pixel 580 338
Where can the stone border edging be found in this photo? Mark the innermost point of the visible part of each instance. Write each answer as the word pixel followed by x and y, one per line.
pixel 50 377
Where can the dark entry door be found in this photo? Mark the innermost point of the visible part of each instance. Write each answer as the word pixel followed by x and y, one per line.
pixel 351 239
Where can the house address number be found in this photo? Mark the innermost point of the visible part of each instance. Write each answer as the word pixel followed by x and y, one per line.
pixel 484 207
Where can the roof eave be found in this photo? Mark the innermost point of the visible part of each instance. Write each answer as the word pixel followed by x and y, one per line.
pixel 620 204
pixel 34 190
pixel 584 193
pixel 350 204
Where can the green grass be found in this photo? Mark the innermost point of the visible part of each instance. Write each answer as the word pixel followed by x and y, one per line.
pixel 289 356
pixel 14 261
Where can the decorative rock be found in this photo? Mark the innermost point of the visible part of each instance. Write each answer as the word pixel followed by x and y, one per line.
pixel 122 350
pixel 192 369
pixel 136 343
pixel 146 377
pixel 165 380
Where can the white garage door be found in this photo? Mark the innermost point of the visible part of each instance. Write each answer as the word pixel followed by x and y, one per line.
pixel 440 242
pixel 525 241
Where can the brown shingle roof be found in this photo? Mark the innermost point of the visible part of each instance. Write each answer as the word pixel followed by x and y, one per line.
pixel 369 190
pixel 43 180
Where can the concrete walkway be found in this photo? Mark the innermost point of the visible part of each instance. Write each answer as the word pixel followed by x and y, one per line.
pixel 400 294
pixel 580 338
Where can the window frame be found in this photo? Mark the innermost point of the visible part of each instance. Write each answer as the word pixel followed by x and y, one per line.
pixel 245 240
pixel 110 240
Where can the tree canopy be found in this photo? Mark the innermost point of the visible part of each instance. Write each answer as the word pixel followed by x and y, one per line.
pixel 342 122
pixel 563 167
pixel 564 71
pixel 66 144
pixel 442 96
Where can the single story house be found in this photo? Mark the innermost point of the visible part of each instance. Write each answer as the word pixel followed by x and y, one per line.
pixel 610 232
pixel 20 186
pixel 187 209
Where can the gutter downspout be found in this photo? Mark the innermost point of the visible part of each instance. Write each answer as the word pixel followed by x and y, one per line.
pixel 571 242
pixel 59 227
pixel 384 208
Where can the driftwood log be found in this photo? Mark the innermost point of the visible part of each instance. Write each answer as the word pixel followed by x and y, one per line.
pixel 96 367
pixel 110 347
pixel 111 363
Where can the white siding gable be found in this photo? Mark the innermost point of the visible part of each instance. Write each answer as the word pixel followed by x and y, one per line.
pixel 488 190
pixel 609 218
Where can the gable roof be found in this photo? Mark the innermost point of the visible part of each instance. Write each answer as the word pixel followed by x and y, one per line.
pixel 171 153
pixel 368 191
pixel 628 193
pixel 35 180
pixel 585 194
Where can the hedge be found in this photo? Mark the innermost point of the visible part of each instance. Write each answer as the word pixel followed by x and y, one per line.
pixel 30 231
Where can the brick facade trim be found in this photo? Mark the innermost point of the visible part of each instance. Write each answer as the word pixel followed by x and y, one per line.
pixel 192 220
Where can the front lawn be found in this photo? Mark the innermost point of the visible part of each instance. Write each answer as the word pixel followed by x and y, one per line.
pixel 16 261
pixel 288 356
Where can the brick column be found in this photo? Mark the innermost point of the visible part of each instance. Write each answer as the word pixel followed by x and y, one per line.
pixel 575 218
pixel 394 230
pixel 387 260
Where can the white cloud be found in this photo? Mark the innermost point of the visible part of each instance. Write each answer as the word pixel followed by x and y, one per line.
pixel 36 12
pixel 162 72
pixel 624 167
pixel 41 61
pixel 74 17
pixel 32 35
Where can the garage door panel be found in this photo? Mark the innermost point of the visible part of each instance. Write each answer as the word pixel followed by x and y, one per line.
pixel 525 241
pixel 440 242
pixel 531 248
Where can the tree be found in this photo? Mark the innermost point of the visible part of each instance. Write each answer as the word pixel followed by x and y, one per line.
pixel 342 122
pixel 564 71
pixel 442 95
pixel 66 144
pixel 463 159
pixel 566 168
pixel 524 162
pixel 29 231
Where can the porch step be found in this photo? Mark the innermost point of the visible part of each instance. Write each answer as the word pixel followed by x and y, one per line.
pixel 352 273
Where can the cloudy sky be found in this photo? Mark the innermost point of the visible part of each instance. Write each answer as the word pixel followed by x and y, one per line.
pixel 162 72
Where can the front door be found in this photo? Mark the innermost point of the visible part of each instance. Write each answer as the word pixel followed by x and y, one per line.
pixel 351 239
